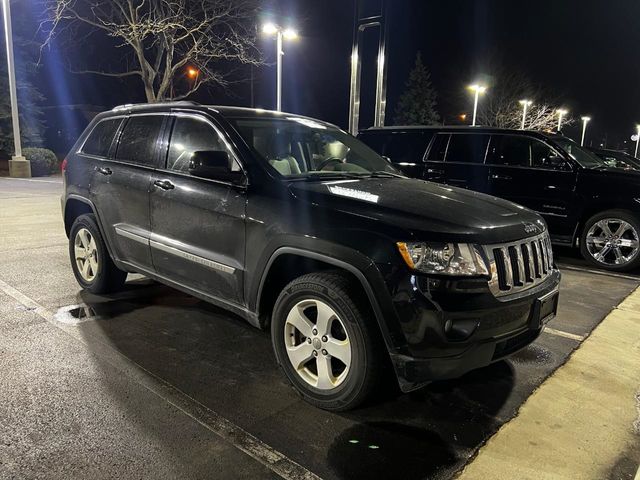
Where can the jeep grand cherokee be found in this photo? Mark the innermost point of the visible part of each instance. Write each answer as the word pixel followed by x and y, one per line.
pixel 298 227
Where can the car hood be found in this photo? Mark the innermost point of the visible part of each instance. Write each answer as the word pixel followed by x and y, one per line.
pixel 424 210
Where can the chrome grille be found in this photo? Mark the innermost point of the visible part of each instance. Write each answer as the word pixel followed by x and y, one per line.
pixel 520 265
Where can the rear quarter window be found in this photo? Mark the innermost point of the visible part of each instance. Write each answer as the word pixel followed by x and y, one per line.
pixel 99 141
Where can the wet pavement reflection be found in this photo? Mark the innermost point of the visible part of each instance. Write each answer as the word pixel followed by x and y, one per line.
pixel 226 365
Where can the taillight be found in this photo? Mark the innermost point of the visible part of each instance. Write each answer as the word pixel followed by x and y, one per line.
pixel 63 166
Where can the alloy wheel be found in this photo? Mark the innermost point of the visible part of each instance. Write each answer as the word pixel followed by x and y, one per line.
pixel 612 241
pixel 317 344
pixel 86 254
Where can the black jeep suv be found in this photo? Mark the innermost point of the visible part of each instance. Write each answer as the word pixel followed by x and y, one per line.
pixel 295 225
pixel 586 202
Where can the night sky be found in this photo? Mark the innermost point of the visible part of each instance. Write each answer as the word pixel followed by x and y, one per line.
pixel 582 51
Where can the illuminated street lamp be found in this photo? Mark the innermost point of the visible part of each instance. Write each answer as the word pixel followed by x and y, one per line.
pixel 18 165
pixel 477 89
pixel 637 140
pixel 561 114
pixel 525 104
pixel 585 120
pixel 280 33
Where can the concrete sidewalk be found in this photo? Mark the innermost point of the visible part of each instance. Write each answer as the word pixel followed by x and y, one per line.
pixel 584 421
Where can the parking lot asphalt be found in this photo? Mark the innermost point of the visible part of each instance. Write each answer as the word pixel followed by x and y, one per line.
pixel 155 383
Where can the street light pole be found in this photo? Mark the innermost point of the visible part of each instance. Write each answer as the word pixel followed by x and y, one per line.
pixel 561 114
pixel 477 89
pixel 279 67
pixel 288 34
pixel 525 104
pixel 18 165
pixel 585 120
pixel 637 141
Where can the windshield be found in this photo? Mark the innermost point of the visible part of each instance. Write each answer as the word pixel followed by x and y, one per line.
pixel 585 158
pixel 619 160
pixel 303 148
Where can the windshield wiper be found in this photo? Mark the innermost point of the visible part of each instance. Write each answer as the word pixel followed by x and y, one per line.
pixel 331 176
pixel 383 174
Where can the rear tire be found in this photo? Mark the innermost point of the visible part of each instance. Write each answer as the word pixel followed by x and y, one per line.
pixel 326 342
pixel 92 266
pixel 610 240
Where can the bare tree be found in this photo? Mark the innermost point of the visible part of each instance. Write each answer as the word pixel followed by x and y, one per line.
pixel 501 107
pixel 159 39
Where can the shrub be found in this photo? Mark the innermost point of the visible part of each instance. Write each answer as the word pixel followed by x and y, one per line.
pixel 43 161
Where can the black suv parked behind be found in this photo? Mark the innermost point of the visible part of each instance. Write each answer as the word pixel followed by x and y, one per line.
pixel 295 225
pixel 586 202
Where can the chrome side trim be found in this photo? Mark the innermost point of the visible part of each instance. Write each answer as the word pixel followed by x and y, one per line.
pixel 192 258
pixel 132 236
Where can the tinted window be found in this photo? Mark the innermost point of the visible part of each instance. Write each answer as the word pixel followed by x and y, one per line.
pixel 510 150
pixel 542 155
pixel 193 135
pixel 138 140
pixel 399 147
pixel 100 138
pixel 469 148
pixel 439 147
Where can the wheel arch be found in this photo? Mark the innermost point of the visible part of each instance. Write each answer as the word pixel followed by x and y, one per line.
pixel 76 205
pixel 595 208
pixel 270 285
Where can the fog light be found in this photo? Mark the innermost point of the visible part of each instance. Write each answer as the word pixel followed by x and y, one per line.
pixel 460 330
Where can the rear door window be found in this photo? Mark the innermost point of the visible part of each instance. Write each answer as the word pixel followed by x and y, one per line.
pixel 510 150
pixel 139 138
pixel 399 147
pixel 439 146
pixel 467 148
pixel 99 141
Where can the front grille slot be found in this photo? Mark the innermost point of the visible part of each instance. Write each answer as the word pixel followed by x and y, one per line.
pixel 520 265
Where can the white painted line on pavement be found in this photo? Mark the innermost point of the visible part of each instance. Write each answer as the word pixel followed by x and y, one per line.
pixel 59 182
pixel 266 455
pixel 32 305
pixel 560 333
pixel 597 272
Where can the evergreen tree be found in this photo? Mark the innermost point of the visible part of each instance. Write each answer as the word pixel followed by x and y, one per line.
pixel 417 105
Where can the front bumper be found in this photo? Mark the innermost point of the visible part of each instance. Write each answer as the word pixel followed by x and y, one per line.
pixel 451 333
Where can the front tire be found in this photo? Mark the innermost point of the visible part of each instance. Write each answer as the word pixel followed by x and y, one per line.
pixel 610 240
pixel 324 340
pixel 92 266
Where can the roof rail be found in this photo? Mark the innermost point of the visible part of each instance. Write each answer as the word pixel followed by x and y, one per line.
pixel 129 106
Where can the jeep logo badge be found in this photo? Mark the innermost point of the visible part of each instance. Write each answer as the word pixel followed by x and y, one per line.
pixel 530 228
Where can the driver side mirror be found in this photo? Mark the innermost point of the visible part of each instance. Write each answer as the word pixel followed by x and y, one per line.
pixel 214 165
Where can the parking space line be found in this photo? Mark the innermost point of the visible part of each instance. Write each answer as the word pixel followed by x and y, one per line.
pixel 598 272
pixel 231 433
pixel 560 333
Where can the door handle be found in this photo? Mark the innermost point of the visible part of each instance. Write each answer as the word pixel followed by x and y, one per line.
pixel 500 177
pixel 164 184
pixel 104 170
pixel 433 170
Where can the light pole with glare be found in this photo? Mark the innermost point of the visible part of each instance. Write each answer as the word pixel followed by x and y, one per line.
pixel 585 120
pixel 561 114
pixel 18 165
pixel 525 104
pixel 477 89
pixel 287 34
pixel 637 140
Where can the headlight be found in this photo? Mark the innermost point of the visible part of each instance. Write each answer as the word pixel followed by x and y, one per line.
pixel 443 258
